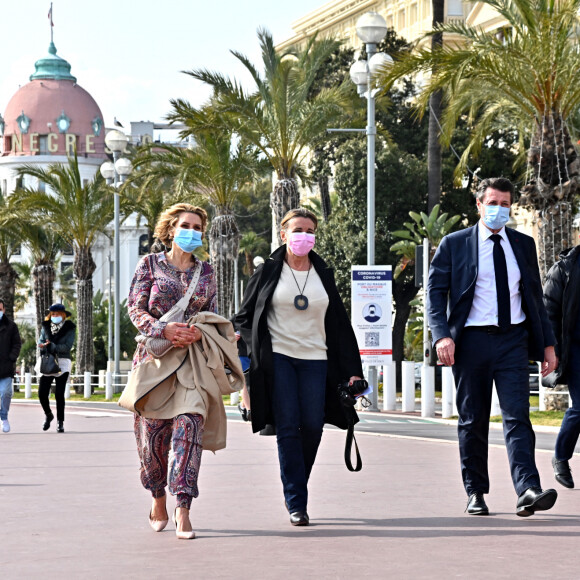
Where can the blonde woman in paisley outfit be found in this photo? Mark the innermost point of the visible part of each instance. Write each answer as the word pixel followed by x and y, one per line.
pixel 160 280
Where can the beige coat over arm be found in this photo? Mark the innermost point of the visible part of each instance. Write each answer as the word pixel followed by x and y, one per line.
pixel 166 387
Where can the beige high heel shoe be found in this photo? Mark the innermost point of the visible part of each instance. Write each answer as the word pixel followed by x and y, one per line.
pixel 157 525
pixel 182 535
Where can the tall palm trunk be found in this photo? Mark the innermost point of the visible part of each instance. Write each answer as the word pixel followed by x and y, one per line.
pixel 43 276
pixel 8 277
pixel 325 206
pixel 284 198
pixel 83 268
pixel 224 245
pixel 555 168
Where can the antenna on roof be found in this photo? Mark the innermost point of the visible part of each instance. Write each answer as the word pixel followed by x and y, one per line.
pixel 51 23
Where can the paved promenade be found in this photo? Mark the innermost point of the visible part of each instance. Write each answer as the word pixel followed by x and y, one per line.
pixel 71 506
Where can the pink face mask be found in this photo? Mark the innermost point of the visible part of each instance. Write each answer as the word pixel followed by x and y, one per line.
pixel 300 243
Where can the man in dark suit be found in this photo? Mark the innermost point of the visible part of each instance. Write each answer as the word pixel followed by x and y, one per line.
pixel 488 319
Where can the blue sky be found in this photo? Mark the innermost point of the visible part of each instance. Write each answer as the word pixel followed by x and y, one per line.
pixel 128 53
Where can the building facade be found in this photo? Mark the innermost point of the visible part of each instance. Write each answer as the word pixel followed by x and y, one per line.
pixel 43 123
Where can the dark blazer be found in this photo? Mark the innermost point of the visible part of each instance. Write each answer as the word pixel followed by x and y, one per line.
pixel 10 343
pixel 562 300
pixel 252 321
pixel 451 287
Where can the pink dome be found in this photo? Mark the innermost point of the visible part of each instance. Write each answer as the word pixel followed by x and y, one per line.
pixel 46 117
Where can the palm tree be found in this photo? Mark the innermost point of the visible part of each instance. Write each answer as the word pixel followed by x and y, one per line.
pixel 281 117
pixel 9 242
pixel 44 244
pixel 78 214
pixel 213 170
pixel 252 245
pixel 524 76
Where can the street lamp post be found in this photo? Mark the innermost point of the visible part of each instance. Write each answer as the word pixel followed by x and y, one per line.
pixel 115 174
pixel 371 28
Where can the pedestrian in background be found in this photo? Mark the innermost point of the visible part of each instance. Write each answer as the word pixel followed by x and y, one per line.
pixel 301 346
pixel 10 344
pixel 562 300
pixel 57 336
pixel 488 319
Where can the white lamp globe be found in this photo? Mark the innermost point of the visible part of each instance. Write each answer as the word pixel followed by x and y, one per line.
pixel 359 72
pixel 379 62
pixel 123 166
pixel 116 141
pixel 371 28
pixel 108 170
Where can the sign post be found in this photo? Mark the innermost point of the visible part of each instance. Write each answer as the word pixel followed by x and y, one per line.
pixel 371 314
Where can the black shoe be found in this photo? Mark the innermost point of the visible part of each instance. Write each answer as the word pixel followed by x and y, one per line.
pixel 562 473
pixel 47 422
pixel 60 428
pixel 476 505
pixel 535 499
pixel 299 519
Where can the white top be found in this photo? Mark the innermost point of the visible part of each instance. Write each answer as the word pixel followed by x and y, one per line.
pixel 484 308
pixel 298 333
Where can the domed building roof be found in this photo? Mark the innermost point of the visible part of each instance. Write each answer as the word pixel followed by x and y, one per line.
pixel 52 113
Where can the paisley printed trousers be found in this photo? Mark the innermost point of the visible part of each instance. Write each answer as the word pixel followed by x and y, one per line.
pixel 170 453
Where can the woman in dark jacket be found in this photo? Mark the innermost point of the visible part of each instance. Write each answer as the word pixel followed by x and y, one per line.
pixel 562 300
pixel 57 337
pixel 301 346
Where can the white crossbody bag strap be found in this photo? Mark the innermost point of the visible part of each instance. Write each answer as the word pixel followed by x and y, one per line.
pixel 184 302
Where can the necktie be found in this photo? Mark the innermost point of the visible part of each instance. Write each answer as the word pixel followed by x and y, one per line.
pixel 501 283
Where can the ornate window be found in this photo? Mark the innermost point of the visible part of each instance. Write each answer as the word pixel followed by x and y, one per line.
pixel 97 125
pixel 23 123
pixel 63 123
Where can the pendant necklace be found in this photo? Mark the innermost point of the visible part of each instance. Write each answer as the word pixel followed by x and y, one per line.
pixel 300 301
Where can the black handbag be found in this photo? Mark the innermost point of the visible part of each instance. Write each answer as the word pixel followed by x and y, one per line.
pixel 49 364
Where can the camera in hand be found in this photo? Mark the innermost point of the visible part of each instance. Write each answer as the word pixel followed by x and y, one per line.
pixel 347 393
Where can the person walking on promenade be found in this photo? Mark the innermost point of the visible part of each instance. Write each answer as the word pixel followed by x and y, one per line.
pixel 177 398
pixel 562 300
pixel 10 344
pixel 487 318
pixel 301 346
pixel 57 336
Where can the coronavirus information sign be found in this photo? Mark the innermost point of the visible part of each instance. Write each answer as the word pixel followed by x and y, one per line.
pixel 371 312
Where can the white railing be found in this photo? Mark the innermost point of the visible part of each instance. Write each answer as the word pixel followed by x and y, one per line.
pixel 104 380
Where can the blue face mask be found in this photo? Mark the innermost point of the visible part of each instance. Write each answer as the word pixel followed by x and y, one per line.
pixel 1 314
pixel 496 216
pixel 56 319
pixel 187 240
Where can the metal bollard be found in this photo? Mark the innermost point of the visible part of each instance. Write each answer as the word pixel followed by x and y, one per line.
pixel 109 386
pixel 67 389
pixel 390 387
pixel 542 397
pixel 427 391
pixel 234 398
pixel 447 394
pixel 495 408
pixel 28 386
pixel 87 389
pixel 102 378
pixel 408 386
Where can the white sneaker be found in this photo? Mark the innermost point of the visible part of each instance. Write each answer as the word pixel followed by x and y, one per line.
pixel 5 426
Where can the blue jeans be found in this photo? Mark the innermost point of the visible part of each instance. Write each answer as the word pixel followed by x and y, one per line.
pixel 298 401
pixel 5 397
pixel 570 430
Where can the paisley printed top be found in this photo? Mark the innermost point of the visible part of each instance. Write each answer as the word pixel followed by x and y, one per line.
pixel 156 287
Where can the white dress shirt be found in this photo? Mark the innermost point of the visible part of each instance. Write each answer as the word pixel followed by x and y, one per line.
pixel 484 307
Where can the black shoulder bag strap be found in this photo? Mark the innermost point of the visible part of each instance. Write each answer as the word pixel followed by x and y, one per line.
pixel 348 449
